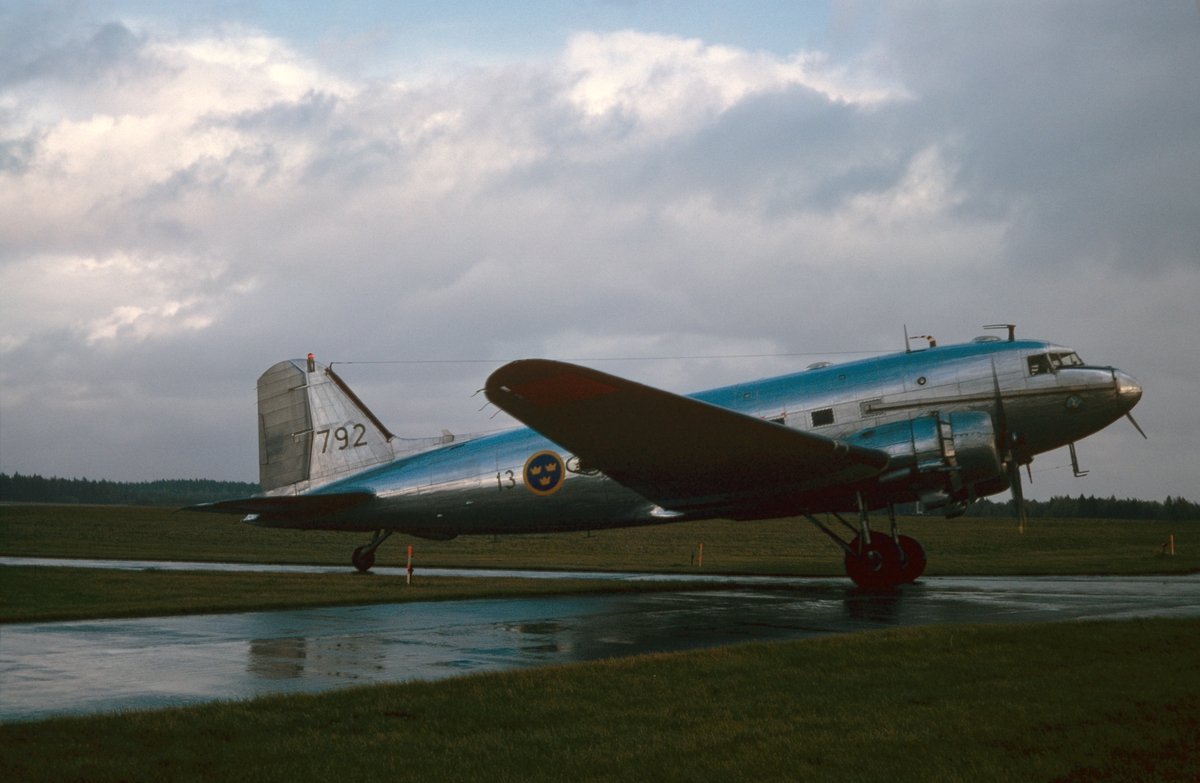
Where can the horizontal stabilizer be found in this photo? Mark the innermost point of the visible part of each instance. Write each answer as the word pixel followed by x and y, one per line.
pixel 287 506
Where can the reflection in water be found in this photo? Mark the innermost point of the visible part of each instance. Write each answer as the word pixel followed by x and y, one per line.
pixel 276 659
pixel 547 638
pixel 98 666
pixel 875 607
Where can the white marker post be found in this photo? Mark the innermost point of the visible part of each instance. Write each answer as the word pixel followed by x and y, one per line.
pixel 409 580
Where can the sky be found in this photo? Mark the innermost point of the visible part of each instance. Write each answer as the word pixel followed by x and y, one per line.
pixel 192 192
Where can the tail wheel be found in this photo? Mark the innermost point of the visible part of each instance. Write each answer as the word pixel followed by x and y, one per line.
pixel 363 560
pixel 913 559
pixel 877 565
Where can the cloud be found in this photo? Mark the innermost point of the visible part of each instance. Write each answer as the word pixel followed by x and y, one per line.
pixel 671 83
pixel 116 298
pixel 180 211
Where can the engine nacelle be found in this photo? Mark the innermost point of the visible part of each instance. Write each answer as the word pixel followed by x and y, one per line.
pixel 938 457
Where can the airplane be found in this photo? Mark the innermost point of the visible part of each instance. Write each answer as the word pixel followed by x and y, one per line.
pixel 939 425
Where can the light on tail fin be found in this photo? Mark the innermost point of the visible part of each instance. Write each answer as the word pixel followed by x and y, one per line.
pixel 312 429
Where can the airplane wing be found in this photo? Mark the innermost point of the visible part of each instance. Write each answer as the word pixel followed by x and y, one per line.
pixel 287 506
pixel 680 453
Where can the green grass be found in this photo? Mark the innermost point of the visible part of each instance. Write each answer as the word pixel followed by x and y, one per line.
pixel 789 546
pixel 1079 702
pixel 963 546
pixel 32 593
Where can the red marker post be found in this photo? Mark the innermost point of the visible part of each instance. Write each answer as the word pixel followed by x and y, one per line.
pixel 409 581
pixel 700 561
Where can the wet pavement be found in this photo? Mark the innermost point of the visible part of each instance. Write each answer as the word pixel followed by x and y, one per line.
pixel 105 665
pixel 266 568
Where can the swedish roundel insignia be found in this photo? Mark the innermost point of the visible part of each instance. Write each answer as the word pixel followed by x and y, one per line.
pixel 544 473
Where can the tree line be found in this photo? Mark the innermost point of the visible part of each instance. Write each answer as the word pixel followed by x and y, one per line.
pixel 177 492
pixel 1067 507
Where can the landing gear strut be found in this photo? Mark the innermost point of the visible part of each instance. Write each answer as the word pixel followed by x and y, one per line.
pixel 364 557
pixel 877 561
pixel 912 554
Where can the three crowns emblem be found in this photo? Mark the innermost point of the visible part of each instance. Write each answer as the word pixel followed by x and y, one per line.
pixel 543 473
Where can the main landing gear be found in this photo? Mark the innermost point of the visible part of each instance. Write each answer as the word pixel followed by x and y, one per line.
pixel 876 561
pixel 364 557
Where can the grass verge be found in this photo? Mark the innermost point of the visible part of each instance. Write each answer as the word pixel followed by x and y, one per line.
pixel 964 546
pixel 1091 701
pixel 32 594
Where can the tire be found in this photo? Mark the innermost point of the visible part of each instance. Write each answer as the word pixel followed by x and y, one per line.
pixel 913 559
pixel 362 560
pixel 877 567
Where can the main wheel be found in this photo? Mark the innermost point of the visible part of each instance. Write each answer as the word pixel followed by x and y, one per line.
pixel 363 560
pixel 913 559
pixel 877 565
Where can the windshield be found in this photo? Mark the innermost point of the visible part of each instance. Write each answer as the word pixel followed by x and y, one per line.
pixel 1042 363
pixel 1070 359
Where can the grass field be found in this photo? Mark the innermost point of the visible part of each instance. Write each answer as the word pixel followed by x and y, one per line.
pixel 34 594
pixel 1074 702
pixel 963 546
pixel 1079 702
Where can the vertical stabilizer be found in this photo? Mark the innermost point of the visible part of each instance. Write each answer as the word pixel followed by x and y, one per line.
pixel 312 429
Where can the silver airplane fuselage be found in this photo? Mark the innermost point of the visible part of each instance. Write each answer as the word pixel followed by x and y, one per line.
pixel 952 418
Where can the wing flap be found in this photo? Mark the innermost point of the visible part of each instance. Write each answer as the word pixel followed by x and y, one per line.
pixel 679 452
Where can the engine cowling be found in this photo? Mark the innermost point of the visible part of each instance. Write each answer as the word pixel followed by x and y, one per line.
pixel 939 457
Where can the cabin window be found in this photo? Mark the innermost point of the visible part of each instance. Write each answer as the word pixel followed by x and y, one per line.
pixel 782 419
pixel 1039 364
pixel 822 417
pixel 1065 360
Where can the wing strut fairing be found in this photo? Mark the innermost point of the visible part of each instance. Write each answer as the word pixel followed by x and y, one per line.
pixel 681 453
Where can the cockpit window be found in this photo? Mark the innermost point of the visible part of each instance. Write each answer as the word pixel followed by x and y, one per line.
pixel 1042 363
pixel 1065 360
pixel 1039 364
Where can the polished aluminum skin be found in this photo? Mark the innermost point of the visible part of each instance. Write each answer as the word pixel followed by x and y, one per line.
pixel 942 425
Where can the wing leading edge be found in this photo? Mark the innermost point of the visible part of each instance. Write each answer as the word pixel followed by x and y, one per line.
pixel 680 453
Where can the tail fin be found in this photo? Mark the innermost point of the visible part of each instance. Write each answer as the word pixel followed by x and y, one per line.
pixel 313 430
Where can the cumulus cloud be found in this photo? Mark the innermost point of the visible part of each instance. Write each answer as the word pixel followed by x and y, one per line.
pixel 190 208
pixel 670 84
pixel 119 297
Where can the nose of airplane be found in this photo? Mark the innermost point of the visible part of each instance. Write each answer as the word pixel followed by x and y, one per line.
pixel 1129 391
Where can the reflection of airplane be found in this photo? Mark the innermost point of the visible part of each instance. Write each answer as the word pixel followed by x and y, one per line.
pixel 941 425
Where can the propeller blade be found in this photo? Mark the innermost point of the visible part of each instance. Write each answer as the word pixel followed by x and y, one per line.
pixel 1001 419
pixel 1003 436
pixel 1135 424
pixel 1014 480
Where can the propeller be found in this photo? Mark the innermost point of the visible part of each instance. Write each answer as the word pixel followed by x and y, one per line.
pixel 1130 415
pixel 1011 468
